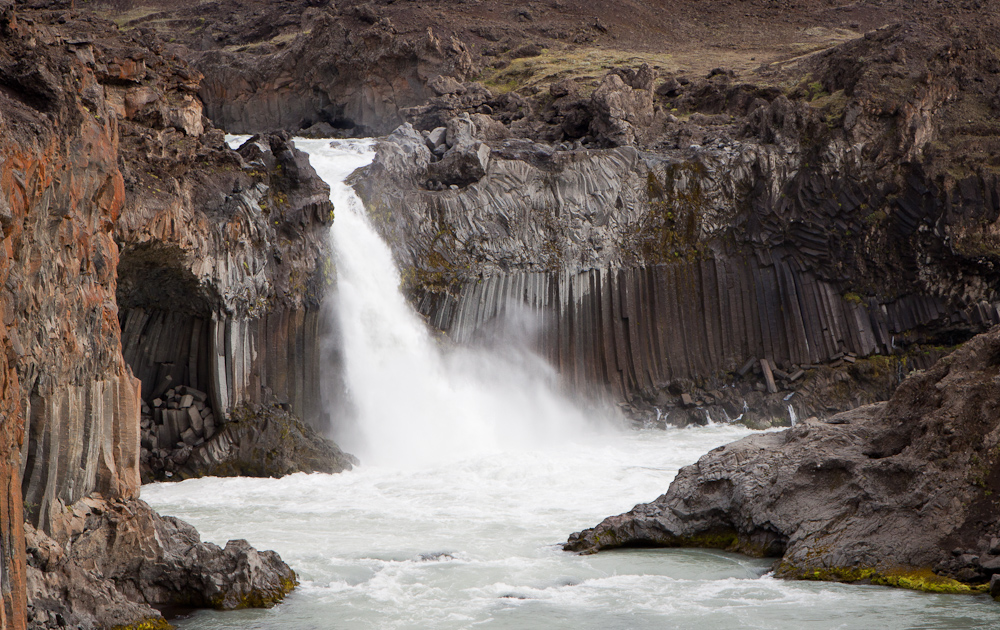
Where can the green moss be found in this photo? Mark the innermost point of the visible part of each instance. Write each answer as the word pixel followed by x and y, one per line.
pixel 837 574
pixel 725 539
pixel 669 231
pixel 259 598
pixel 153 623
pixel 928 581
pixel 814 90
pixel 917 579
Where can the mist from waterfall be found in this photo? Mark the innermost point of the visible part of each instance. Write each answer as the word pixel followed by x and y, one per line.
pixel 415 400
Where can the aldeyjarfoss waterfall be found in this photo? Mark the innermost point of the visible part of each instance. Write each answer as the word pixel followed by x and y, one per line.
pixel 473 472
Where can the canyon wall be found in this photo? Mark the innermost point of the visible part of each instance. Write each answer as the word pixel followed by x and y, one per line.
pixel 121 207
pixel 69 399
pixel 354 80
pixel 768 227
pixel 222 274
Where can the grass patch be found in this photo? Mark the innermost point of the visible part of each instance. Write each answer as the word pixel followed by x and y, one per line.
pixel 585 65
pixel 123 19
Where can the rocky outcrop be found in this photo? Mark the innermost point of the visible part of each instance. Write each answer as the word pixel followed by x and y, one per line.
pixel 116 564
pixel 355 80
pixel 256 441
pixel 620 108
pixel 221 282
pixel 121 206
pixel 798 229
pixel 900 493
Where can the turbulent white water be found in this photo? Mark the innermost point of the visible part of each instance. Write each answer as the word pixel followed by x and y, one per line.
pixel 451 526
pixel 416 403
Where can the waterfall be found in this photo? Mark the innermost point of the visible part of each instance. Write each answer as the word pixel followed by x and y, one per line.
pixel 414 401
pixel 792 416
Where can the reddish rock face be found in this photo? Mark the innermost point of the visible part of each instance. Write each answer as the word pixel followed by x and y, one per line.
pixel 102 142
pixel 68 400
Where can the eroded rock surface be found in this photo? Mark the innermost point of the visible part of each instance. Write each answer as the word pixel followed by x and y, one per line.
pixel 839 221
pixel 354 80
pixel 901 493
pixel 111 563
pixel 120 206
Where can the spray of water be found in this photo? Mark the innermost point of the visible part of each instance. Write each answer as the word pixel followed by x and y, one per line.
pixel 415 402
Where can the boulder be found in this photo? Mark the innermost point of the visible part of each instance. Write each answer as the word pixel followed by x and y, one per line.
pixel 111 563
pixel 443 85
pixel 461 166
pixel 618 111
pixel 896 493
pixel 461 131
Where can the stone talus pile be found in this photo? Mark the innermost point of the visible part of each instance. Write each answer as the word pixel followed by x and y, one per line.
pixel 180 416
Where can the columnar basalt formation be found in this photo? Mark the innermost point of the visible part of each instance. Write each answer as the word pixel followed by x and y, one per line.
pixel 900 493
pixel 121 206
pixel 222 278
pixel 794 230
pixel 69 398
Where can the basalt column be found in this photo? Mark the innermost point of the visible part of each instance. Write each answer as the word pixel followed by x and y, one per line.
pixel 220 294
pixel 640 329
pixel 651 271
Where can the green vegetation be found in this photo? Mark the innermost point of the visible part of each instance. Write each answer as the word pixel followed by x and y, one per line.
pixel 670 231
pixel 153 623
pixel 584 65
pixel 926 580
pixel 917 579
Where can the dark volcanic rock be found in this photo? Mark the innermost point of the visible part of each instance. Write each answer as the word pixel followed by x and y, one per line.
pixel 619 109
pixel 115 564
pixel 845 217
pixel 885 493
pixel 136 249
pixel 355 80
pixel 256 441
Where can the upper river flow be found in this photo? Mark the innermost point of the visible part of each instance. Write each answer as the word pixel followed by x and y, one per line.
pixel 473 472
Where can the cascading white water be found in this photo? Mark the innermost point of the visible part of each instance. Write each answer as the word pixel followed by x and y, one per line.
pixel 792 416
pixel 416 402
pixel 451 545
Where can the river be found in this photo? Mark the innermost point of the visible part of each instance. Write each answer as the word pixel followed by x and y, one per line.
pixel 474 470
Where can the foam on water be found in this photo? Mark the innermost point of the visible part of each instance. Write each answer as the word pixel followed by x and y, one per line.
pixel 466 533
pixel 475 543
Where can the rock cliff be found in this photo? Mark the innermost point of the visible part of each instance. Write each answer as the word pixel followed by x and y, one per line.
pixel 354 80
pixel 901 493
pixel 121 208
pixel 840 219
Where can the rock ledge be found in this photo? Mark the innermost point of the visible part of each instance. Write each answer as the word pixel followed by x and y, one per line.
pixel 903 493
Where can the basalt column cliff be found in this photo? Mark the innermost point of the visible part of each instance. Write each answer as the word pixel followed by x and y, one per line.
pixel 850 214
pixel 122 208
